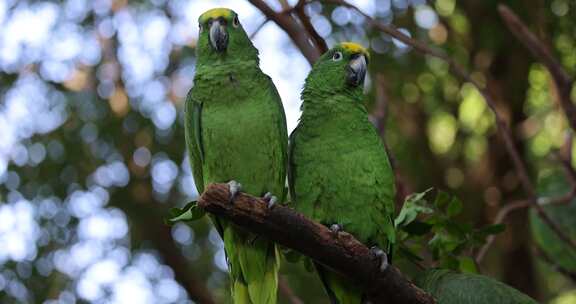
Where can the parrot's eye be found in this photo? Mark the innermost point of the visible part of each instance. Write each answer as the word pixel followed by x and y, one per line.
pixel 200 27
pixel 235 22
pixel 337 56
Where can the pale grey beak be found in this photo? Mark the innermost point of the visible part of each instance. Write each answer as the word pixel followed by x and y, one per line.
pixel 218 36
pixel 356 70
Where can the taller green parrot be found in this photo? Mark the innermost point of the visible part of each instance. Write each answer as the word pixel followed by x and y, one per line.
pixel 236 132
pixel 339 173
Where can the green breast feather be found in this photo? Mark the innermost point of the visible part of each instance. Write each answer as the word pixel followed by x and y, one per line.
pixel 339 172
pixel 236 130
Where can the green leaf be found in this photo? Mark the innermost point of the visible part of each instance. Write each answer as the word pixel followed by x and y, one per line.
pixel 467 264
pixel 491 229
pixel 455 230
pixel 454 207
pixel 450 262
pixel 443 242
pixel 442 199
pixel 413 206
pixel 555 184
pixel 190 212
pixel 406 252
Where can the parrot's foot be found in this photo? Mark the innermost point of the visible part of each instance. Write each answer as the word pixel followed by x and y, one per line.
pixel 270 199
pixel 335 228
pixel 234 187
pixel 382 256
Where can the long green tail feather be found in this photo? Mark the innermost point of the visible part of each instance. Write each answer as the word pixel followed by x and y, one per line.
pixel 240 292
pixel 254 265
pixel 339 289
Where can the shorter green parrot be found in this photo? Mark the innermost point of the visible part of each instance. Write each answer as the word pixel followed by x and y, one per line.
pixel 449 287
pixel 339 173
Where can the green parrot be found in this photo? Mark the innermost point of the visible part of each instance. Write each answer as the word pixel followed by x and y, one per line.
pixel 338 172
pixel 236 133
pixel 449 287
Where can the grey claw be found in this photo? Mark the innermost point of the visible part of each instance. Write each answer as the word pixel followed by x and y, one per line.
pixel 335 228
pixel 270 199
pixel 383 257
pixel 234 187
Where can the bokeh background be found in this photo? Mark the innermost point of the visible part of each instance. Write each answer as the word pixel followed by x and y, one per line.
pixel 92 150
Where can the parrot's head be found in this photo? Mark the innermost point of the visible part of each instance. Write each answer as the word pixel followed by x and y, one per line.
pixel 222 36
pixel 342 67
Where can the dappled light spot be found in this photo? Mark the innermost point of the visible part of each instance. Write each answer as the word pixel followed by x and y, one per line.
pixel 445 7
pixel 441 132
pixel 425 17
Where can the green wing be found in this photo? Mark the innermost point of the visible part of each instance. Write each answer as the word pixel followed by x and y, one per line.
pixel 281 126
pixel 193 129
pixel 291 167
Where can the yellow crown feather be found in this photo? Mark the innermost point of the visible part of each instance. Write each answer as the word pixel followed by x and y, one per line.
pixel 216 13
pixel 354 48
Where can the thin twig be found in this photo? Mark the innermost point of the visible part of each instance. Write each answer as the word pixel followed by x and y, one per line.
pixel 287 291
pixel 255 32
pixel 305 20
pixel 500 217
pixel 568 273
pixel 502 127
pixel 562 80
pixel 506 210
pixel 564 159
pixel 295 31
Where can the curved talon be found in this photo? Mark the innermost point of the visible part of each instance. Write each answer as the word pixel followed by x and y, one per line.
pixel 270 199
pixel 234 188
pixel 383 257
pixel 335 228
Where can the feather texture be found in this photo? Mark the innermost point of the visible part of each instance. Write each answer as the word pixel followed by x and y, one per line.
pixel 339 172
pixel 236 130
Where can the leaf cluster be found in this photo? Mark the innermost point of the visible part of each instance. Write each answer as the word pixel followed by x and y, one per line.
pixel 427 226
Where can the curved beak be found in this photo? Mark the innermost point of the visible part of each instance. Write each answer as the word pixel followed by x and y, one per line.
pixel 356 70
pixel 218 36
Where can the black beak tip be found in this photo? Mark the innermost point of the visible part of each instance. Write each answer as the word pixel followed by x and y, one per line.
pixel 355 78
pixel 221 44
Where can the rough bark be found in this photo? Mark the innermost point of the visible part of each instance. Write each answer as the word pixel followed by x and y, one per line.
pixel 341 252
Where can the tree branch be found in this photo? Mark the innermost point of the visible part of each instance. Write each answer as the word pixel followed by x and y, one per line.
pixel 290 25
pixel 502 127
pixel 518 205
pixel 342 253
pixel 315 37
pixel 257 30
pixel 543 54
